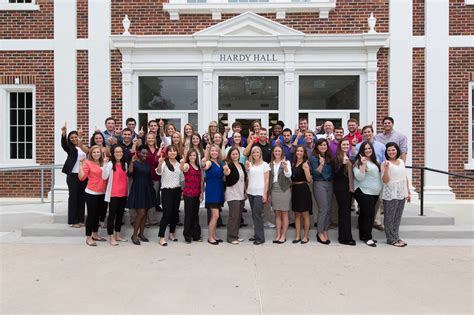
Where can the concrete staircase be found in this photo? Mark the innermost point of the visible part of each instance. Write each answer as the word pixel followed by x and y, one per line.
pixel 432 226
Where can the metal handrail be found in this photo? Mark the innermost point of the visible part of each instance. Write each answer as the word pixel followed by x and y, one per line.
pixel 41 168
pixel 422 181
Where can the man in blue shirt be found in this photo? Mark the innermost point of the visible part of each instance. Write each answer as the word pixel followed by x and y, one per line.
pixel 368 135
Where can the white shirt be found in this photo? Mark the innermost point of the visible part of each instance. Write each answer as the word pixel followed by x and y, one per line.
pixel 256 176
pixel 80 156
pixel 170 179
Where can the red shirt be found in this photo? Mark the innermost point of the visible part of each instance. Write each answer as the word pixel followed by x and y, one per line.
pixel 356 135
pixel 192 182
pixel 119 182
pixel 152 161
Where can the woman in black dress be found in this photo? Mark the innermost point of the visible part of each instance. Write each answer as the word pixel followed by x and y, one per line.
pixel 142 195
pixel 301 200
pixel 343 190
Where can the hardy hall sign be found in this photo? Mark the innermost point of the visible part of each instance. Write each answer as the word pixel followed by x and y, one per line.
pixel 247 57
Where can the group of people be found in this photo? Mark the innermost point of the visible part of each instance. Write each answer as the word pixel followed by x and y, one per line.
pixel 150 173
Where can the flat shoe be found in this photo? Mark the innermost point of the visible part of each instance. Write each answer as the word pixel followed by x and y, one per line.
pixel 304 242
pixel 351 243
pixel 99 239
pixel 276 241
pixel 136 242
pixel 219 241
pixel 252 239
pixel 281 242
pixel 258 242
pixel 143 238
pixel 213 243
pixel 371 243
pixel 163 244
pixel 235 242
pixel 91 244
pixel 173 239
pixel 122 240
pixel 296 241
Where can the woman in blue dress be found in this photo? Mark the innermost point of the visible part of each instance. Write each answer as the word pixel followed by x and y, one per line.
pixel 214 190
pixel 142 196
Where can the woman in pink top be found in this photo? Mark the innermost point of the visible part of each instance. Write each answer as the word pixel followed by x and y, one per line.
pixel 91 169
pixel 116 193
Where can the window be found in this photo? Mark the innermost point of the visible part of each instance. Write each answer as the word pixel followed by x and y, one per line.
pixel 18 5
pixel 168 93
pixel 248 93
pixel 329 92
pixel 18 124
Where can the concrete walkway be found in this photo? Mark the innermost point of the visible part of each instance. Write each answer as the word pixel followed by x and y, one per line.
pixel 200 278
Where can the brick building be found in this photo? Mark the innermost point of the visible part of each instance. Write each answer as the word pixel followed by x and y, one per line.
pixel 81 61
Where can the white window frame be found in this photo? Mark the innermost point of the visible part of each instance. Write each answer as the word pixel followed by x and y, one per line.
pixel 469 2
pixel 279 7
pixel 166 113
pixel 7 6
pixel 470 164
pixel 321 113
pixel 5 112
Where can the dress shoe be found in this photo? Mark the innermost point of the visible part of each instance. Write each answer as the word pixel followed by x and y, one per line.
pixel 258 242
pixel 136 242
pixel 327 242
pixel 143 238
pixel 219 240
pixel 213 243
pixel 252 239
pixel 296 241
pixel 351 243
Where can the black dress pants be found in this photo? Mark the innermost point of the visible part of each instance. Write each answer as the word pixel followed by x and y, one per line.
pixel 76 199
pixel 95 204
pixel 366 213
pixel 192 229
pixel 116 210
pixel 344 199
pixel 170 199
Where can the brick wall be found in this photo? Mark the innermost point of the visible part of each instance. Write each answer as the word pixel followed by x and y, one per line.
pixel 28 24
pixel 116 80
pixel 148 18
pixel 461 18
pixel 461 65
pixel 40 65
pixel 82 16
pixel 418 17
pixel 382 88
pixel 82 66
pixel 418 113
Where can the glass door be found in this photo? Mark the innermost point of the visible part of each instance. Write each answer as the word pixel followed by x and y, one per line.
pixel 246 119
pixel 317 119
pixel 177 119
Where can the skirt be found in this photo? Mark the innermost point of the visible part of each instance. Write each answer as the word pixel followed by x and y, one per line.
pixel 301 199
pixel 281 200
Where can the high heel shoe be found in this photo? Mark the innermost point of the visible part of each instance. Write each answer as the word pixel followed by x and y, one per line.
pixel 327 242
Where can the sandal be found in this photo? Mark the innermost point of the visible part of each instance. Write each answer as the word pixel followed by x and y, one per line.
pixel 397 244
pixel 403 243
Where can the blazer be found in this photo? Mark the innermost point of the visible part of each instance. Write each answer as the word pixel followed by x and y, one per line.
pixel 233 177
pixel 71 155
pixel 283 181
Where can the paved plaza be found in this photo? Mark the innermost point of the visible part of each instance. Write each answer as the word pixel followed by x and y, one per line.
pixel 63 275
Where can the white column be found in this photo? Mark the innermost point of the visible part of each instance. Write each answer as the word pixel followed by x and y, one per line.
pixel 437 99
pixel 371 85
pixel 289 114
pixel 401 71
pixel 128 109
pixel 65 104
pixel 207 108
pixel 99 21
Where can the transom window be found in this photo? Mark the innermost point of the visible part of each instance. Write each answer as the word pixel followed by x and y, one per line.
pixel 248 93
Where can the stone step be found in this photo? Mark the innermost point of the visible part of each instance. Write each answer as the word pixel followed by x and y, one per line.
pixel 409 232
pixel 410 217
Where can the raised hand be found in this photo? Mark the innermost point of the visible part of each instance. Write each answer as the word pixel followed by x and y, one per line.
pixel 306 166
pixel 112 141
pixel 79 133
pixel 226 167
pixel 322 160
pixel 161 123
pixel 354 141
pixel 96 129
pixel 386 165
pixel 105 159
pixel 247 164
pixel 331 137
pixel 117 132
pixel 141 133
pixel 64 129
pixel 134 158
pixel 363 159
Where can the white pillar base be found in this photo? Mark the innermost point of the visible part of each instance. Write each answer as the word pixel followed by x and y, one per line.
pixel 438 194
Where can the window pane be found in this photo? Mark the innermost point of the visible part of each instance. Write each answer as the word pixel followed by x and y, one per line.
pixel 21 100
pixel 329 92
pixel 13 151
pixel 29 100
pixel 29 117
pixel 21 117
pixel 248 93
pixel 193 119
pixel 13 100
pixel 13 134
pixel 13 120
pixel 337 122
pixel 21 151
pixel 168 93
pixel 21 134
pixel 29 134
pixel 29 150
pixel 143 121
